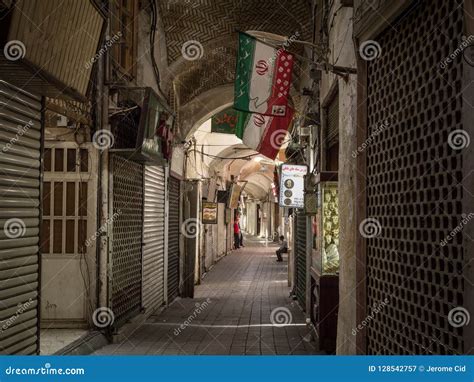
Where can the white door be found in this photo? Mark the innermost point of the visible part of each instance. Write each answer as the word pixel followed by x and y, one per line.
pixel 68 239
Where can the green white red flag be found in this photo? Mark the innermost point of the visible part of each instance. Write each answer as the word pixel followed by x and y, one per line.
pixel 263 133
pixel 263 77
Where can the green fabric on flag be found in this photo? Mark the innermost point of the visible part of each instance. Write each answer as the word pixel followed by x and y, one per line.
pixel 242 121
pixel 244 71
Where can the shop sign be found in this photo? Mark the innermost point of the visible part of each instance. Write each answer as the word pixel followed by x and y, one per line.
pixel 234 196
pixel 292 185
pixel 209 213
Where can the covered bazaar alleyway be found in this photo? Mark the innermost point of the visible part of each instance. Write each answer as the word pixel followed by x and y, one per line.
pixel 230 314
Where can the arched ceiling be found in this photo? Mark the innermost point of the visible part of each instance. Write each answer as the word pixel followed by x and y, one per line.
pixel 210 27
pixel 257 176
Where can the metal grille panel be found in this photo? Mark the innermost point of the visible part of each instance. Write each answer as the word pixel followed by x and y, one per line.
pixel 301 259
pixel 126 237
pixel 20 146
pixel 154 238
pixel 413 184
pixel 332 125
pixel 173 239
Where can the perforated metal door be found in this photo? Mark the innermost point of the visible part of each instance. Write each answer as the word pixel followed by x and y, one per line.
pixel 300 259
pixel 413 184
pixel 154 238
pixel 20 145
pixel 173 239
pixel 126 243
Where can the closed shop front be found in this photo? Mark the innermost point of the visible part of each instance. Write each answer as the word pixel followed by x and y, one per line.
pixel 154 239
pixel 173 238
pixel 414 185
pixel 126 239
pixel 300 259
pixel 20 145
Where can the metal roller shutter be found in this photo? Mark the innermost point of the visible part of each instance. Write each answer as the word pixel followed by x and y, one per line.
pixel 154 238
pixel 300 259
pixel 20 145
pixel 173 239
pixel 126 241
pixel 414 188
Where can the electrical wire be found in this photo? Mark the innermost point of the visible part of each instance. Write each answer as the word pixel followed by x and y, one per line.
pixel 220 157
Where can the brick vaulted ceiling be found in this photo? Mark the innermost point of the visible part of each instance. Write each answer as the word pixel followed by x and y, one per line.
pixel 214 23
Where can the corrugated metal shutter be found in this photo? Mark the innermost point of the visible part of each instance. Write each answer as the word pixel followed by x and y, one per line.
pixel 154 238
pixel 300 259
pixel 126 241
pixel 20 143
pixel 173 239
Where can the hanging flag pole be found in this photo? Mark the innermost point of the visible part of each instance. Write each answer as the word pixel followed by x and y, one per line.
pixel 326 66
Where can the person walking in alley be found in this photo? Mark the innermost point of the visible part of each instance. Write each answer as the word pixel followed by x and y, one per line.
pixel 236 233
pixel 283 248
pixel 241 236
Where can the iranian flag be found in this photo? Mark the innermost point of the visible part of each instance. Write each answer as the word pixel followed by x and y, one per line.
pixel 263 133
pixel 263 78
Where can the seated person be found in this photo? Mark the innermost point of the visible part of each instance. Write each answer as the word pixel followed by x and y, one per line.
pixel 283 248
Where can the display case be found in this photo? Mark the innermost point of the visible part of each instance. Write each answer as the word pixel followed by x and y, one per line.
pixel 325 260
pixel 325 227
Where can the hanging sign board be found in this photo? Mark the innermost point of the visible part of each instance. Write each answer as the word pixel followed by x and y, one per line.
pixel 211 191
pixel 292 185
pixel 234 196
pixel 224 122
pixel 209 213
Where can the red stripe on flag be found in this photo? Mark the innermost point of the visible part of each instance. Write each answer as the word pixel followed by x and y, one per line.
pixel 274 135
pixel 278 102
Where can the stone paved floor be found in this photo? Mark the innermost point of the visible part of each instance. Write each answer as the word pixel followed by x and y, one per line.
pixel 230 314
pixel 52 340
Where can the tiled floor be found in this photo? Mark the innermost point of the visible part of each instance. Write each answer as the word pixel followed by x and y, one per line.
pixel 230 314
